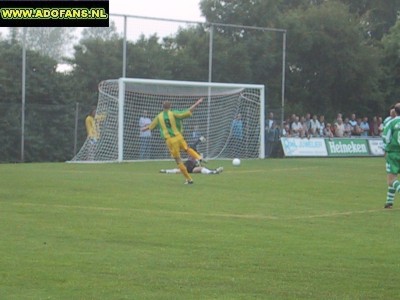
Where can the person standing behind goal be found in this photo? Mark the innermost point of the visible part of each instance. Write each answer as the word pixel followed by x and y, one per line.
pixel 144 136
pixel 170 125
pixel 92 133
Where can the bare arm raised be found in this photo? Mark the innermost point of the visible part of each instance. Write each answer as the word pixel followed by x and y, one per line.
pixel 195 105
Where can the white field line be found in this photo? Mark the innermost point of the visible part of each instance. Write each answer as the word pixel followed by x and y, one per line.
pixel 218 215
pixel 231 170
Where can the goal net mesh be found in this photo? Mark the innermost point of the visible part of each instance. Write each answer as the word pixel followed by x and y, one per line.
pixel 229 119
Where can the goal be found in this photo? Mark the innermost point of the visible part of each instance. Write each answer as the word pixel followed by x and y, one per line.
pixel 231 118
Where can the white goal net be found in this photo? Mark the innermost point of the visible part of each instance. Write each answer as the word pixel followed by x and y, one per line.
pixel 231 118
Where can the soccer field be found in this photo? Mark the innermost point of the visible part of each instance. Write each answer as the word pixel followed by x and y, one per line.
pixel 269 229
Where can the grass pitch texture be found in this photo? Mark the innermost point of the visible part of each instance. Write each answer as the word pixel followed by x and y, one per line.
pixel 269 229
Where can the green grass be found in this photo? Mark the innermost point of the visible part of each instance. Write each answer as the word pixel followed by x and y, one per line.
pixel 269 229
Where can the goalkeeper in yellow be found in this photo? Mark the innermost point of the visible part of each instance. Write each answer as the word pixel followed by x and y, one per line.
pixel 170 124
pixel 92 133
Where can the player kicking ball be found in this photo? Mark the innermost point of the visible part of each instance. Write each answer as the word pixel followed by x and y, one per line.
pixel 170 124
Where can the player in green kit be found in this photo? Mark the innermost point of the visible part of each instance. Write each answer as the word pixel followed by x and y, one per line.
pixel 391 141
pixel 392 114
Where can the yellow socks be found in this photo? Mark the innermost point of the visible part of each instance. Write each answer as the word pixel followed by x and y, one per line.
pixel 184 171
pixel 193 153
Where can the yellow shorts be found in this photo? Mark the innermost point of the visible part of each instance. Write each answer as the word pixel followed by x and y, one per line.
pixel 175 145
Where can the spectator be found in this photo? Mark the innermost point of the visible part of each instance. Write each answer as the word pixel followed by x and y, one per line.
pixel 353 120
pixel 286 130
pixel 196 134
pixel 339 127
pixel 145 136
pixel 365 127
pixel 328 131
pixel 374 127
pixel 380 127
pixel 321 125
pixel 237 136
pixel 307 124
pixel 272 140
pixel 357 130
pixel 296 128
pixel 269 122
pixel 347 128
pixel 304 128
pixel 338 116
pixel 353 123
pixel 292 120
pixel 314 126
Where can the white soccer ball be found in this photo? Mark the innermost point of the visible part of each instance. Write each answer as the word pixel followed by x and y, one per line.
pixel 236 162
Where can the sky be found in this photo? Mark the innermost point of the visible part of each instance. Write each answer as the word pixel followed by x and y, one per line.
pixel 170 9
pixel 187 10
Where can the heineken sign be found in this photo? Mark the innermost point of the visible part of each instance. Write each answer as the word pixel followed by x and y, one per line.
pixel 347 147
pixel 334 147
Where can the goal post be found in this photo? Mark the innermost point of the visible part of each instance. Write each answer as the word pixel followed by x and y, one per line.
pixel 231 118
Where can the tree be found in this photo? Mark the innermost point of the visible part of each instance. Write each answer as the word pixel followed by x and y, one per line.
pixel 49 116
pixel 95 60
pixel 260 13
pixel 47 41
pixel 102 33
pixel 10 113
pixel 239 55
pixel 188 54
pixel 147 58
pixel 391 65
pixel 257 54
pixel 376 17
pixel 330 67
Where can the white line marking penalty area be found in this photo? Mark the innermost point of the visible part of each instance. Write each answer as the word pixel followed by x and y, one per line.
pixel 211 214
